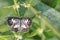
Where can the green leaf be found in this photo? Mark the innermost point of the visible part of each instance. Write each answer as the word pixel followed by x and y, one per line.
pixel 6 37
pixel 22 11
pixel 58 6
pixel 49 34
pixel 4 3
pixel 51 14
pixel 5 13
pixel 36 7
pixel 54 38
pixel 51 3
pixel 4 28
pixel 28 13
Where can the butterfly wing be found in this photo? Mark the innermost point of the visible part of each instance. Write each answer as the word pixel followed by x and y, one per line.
pixel 14 23
pixel 25 23
pixel 19 24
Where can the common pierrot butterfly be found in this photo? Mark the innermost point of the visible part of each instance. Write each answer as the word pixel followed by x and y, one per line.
pixel 19 24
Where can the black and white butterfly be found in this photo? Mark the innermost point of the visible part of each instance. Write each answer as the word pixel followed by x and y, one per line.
pixel 19 24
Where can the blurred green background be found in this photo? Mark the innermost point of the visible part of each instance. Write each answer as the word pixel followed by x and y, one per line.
pixel 45 15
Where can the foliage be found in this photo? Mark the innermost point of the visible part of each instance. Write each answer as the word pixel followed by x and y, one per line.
pixel 45 19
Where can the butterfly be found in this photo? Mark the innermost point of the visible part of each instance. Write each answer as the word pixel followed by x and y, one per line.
pixel 19 24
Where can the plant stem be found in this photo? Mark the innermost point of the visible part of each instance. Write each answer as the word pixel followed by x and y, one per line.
pixel 43 37
pixel 30 1
pixel 15 4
